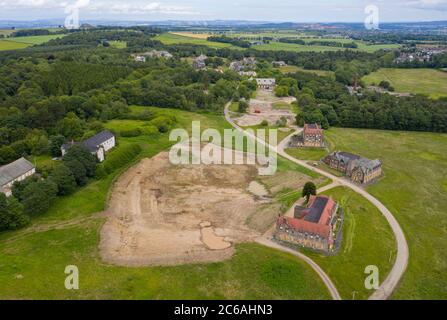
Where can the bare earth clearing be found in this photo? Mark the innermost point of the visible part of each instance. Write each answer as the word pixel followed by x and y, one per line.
pixel 261 108
pixel 160 214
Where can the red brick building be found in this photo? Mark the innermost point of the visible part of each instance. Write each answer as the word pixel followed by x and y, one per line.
pixel 313 226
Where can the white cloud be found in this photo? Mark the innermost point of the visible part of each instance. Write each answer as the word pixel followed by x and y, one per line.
pixel 138 7
pixel 429 4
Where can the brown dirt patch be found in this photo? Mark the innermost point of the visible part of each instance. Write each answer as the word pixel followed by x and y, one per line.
pixel 160 214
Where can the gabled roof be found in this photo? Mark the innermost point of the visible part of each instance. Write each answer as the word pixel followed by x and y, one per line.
pixel 315 218
pixel 93 143
pixel 312 128
pixel 14 170
pixel 266 81
pixel 301 225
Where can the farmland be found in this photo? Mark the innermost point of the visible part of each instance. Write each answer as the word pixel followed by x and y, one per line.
pixel 170 38
pixel 420 81
pixel 24 42
pixel 200 38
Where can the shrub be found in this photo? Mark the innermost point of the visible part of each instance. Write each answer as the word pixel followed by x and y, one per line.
pixel 131 133
pixel 117 159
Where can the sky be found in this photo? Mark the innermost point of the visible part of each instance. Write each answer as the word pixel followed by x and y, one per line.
pixel 254 10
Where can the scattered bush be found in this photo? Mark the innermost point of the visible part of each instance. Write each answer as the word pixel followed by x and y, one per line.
pixel 117 159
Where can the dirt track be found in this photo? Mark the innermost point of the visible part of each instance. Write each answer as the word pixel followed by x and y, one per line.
pixel 160 214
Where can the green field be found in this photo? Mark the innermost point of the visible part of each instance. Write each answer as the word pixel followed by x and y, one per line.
pixel 118 44
pixel 36 39
pixel 415 190
pixel 6 45
pixel 33 260
pixel 198 39
pixel 279 46
pixel 24 42
pixel 293 69
pixel 367 240
pixel 430 82
pixel 169 38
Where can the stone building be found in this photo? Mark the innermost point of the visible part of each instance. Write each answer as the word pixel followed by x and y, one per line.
pixel 199 63
pixel 357 168
pixel 266 83
pixel 312 136
pixel 15 171
pixel 313 226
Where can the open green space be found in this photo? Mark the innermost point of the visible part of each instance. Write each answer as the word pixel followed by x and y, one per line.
pixel 293 69
pixel 414 189
pixel 36 39
pixel 367 240
pixel 314 154
pixel 6 45
pixel 169 38
pixel 430 82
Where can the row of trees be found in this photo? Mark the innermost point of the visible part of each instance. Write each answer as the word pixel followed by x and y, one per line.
pixel 34 195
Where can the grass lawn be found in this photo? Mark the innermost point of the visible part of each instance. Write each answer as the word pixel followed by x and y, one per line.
pixel 415 190
pixel 33 260
pixel 430 82
pixel 118 44
pixel 11 45
pixel 367 240
pixel 307 153
pixel 281 105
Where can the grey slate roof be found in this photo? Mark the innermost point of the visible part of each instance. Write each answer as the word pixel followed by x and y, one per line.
pixel 316 210
pixel 14 170
pixel 93 143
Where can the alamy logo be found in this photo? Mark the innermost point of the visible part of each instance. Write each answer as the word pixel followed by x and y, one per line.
pixel 72 280
pixel 209 147
pixel 372 20
pixel 72 20
pixel 372 280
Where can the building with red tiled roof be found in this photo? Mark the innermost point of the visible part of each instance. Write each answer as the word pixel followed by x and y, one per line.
pixel 313 136
pixel 312 226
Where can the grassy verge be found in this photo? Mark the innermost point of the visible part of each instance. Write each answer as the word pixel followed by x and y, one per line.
pixel 367 240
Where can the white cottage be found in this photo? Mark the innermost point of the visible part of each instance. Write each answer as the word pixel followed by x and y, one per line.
pixel 16 171
pixel 98 145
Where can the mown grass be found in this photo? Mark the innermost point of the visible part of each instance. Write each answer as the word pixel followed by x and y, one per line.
pixel 367 240
pixel 414 190
pixel 430 82
pixel 33 260
pixel 255 272
pixel 314 154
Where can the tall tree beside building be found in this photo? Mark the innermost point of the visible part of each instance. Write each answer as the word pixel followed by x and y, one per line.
pixel 309 189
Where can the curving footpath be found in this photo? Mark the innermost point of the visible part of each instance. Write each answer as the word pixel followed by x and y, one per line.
pixel 390 283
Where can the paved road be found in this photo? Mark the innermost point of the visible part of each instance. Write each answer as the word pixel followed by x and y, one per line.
pixel 390 283
pixel 327 281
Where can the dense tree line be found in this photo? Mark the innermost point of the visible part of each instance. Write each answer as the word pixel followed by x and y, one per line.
pixel 328 102
pixel 233 41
